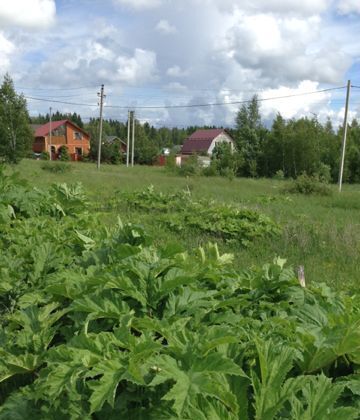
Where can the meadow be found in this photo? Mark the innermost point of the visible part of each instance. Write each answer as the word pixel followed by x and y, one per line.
pixel 322 233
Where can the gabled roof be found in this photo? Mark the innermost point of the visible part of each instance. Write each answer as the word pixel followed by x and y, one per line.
pixel 44 129
pixel 201 140
pixel 111 139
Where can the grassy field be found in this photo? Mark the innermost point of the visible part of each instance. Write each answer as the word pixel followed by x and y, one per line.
pixel 321 233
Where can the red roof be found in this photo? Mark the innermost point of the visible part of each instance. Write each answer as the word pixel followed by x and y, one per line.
pixel 200 141
pixel 44 130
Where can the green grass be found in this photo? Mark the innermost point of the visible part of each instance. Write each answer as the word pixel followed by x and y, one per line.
pixel 321 233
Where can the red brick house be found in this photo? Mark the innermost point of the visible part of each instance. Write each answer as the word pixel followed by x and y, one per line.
pixel 63 133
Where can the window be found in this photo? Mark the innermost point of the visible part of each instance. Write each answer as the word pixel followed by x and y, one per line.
pixel 78 151
pixel 77 135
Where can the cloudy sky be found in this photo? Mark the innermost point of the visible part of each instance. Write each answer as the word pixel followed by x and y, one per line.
pixel 153 55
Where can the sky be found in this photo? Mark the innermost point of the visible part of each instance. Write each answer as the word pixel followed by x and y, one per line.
pixel 165 57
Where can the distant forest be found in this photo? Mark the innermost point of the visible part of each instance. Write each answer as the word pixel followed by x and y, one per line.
pixel 289 147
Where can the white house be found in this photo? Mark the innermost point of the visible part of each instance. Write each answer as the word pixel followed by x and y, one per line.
pixel 202 142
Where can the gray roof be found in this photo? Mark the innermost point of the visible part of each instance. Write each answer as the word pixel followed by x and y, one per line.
pixel 111 139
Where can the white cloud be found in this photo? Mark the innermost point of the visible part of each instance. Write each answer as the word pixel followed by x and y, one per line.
pixel 6 49
pixel 139 4
pixel 176 71
pixel 285 48
pixel 348 6
pixel 296 106
pixel 27 13
pixel 292 7
pixel 137 69
pixel 165 27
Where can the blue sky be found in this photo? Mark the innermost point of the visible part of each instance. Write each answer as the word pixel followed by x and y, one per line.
pixel 161 53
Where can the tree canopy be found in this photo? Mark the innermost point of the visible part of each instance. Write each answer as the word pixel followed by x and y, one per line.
pixel 15 132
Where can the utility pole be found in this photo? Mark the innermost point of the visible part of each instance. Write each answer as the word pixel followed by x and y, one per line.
pixel 133 138
pixel 128 141
pixel 50 134
pixel 344 134
pixel 101 94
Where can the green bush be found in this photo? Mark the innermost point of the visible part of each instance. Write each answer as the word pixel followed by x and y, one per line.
pixel 324 173
pixel 190 167
pixel 56 167
pixel 45 156
pixel 210 170
pixel 279 175
pixel 308 184
pixel 64 154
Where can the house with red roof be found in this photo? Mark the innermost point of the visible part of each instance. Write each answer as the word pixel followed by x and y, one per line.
pixel 202 142
pixel 63 133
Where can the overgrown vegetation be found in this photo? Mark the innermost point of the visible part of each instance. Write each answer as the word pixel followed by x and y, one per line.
pixel 56 167
pixel 97 322
pixel 180 212
pixel 306 184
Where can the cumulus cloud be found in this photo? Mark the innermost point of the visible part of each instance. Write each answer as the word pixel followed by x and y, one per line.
pixel 165 27
pixel 348 6
pixel 176 71
pixel 137 69
pixel 6 49
pixel 285 48
pixel 297 106
pixel 139 4
pixel 27 13
pixel 94 60
pixel 292 7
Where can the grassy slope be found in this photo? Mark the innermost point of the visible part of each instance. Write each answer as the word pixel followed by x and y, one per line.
pixel 321 233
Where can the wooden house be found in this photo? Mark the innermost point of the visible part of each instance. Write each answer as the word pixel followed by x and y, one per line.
pixel 63 133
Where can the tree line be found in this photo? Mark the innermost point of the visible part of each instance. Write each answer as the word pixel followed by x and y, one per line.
pixel 288 147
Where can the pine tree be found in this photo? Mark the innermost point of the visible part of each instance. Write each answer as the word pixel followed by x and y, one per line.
pixel 249 136
pixel 16 136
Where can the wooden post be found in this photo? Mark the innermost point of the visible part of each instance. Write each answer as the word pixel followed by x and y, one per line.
pixel 343 149
pixel 301 276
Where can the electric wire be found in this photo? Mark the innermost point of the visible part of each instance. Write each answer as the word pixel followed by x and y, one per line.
pixel 188 105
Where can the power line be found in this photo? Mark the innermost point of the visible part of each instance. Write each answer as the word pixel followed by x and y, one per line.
pixel 56 101
pixel 191 105
pixel 56 89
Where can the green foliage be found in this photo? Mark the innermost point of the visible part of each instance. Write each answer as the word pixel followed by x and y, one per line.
pixel 64 153
pixel 56 167
pixel 306 184
pixel 98 322
pixel 189 166
pixel 45 156
pixel 249 136
pixel 279 175
pixel 16 136
pixel 179 212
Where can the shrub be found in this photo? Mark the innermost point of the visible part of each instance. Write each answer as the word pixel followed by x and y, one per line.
pixel 210 170
pixel 306 184
pixel 324 173
pixel 64 154
pixel 45 156
pixel 56 167
pixel 279 175
pixel 190 167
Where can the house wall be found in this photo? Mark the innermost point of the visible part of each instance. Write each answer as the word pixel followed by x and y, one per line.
pixel 73 143
pixel 221 138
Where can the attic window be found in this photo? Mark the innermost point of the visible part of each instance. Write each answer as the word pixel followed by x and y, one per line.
pixel 77 135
